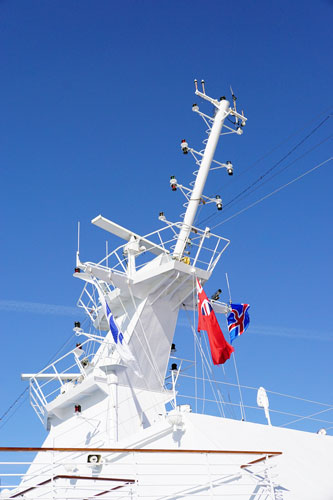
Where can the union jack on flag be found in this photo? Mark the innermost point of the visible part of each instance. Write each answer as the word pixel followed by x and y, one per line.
pixel 238 320
pixel 205 307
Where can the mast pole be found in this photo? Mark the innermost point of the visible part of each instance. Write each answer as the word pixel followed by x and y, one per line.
pixel 222 111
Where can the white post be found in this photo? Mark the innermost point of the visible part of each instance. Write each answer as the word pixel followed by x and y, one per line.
pixel 113 384
pixel 174 380
pixel 201 178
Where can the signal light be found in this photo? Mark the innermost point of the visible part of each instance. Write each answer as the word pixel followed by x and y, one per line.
pixel 218 202
pixel 77 270
pixel 230 168
pixel 77 409
pixel 173 183
pixel 184 146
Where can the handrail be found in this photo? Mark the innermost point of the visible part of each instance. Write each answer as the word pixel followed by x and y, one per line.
pixel 257 461
pixel 116 481
pixel 138 450
pixel 64 476
pixel 201 235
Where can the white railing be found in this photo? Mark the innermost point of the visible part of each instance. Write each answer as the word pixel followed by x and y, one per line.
pixel 203 250
pixel 204 392
pixel 141 474
pixel 62 375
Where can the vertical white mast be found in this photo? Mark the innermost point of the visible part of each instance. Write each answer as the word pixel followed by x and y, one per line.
pixel 222 111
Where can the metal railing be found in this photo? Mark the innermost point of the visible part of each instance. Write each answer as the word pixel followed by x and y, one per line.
pixel 63 375
pixel 203 250
pixel 160 474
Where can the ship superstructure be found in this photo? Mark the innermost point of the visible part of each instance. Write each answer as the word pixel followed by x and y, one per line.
pixel 116 429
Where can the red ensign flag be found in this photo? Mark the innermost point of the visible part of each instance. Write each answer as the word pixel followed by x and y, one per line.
pixel 219 347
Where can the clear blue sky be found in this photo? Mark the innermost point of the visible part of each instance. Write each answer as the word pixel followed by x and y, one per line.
pixel 96 97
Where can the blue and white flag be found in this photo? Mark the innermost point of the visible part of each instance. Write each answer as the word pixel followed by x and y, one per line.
pixel 121 347
pixel 238 320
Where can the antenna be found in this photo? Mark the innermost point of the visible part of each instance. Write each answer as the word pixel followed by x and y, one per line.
pixel 226 277
pixel 78 237
pixel 78 245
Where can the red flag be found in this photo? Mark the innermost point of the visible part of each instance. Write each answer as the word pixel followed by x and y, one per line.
pixel 219 347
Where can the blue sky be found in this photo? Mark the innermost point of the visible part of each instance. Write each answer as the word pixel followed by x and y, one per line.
pixel 96 97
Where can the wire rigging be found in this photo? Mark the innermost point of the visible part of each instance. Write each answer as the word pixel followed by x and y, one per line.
pixel 285 168
pixel 273 192
pixel 265 155
pixel 13 404
pixel 246 190
pixel 281 160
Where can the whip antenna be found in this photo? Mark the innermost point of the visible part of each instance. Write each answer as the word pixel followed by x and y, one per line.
pixel 226 277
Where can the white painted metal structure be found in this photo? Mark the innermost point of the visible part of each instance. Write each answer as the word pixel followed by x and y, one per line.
pixel 116 430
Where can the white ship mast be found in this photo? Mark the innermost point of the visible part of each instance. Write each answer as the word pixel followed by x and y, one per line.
pixel 144 299
pixel 223 110
pixel 115 430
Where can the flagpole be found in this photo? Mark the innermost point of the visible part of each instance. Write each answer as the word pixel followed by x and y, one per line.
pixel 239 388
pixel 235 365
